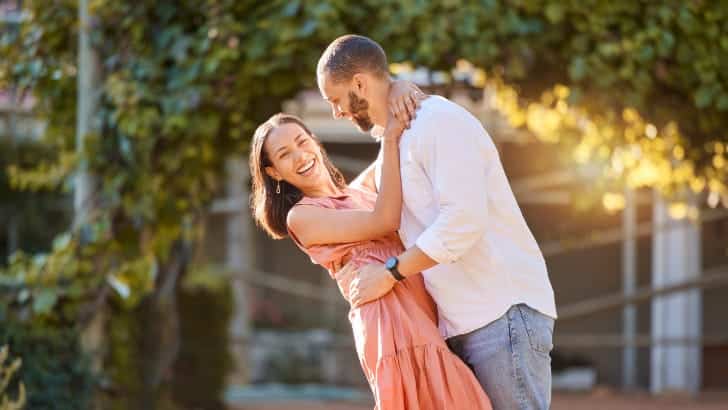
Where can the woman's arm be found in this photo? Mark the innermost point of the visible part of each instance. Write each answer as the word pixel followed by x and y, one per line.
pixel 315 225
pixel 404 101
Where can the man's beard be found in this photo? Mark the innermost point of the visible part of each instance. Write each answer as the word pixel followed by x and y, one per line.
pixel 359 109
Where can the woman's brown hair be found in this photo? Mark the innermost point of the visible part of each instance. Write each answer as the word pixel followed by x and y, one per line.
pixel 270 209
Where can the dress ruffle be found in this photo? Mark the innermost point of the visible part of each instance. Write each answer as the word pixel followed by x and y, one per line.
pixel 426 377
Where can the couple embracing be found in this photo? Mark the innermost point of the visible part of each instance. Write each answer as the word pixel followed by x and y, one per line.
pixel 451 304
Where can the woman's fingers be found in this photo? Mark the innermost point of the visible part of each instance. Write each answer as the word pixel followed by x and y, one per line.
pixel 394 107
pixel 404 114
pixel 411 107
pixel 415 100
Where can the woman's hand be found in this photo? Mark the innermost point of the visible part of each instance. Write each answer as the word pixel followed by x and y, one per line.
pixel 404 100
pixel 394 129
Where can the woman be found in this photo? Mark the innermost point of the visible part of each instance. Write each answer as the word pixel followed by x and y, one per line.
pixel 297 192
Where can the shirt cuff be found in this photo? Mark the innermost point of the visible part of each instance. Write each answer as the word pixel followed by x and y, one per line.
pixel 430 244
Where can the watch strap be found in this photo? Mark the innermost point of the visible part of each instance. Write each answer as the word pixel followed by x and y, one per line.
pixel 395 272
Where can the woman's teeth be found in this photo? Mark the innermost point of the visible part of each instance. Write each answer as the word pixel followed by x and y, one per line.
pixel 306 167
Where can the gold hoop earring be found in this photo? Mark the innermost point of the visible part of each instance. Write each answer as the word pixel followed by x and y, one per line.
pixel 278 188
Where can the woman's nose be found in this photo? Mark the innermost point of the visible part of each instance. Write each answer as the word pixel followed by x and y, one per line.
pixel 298 156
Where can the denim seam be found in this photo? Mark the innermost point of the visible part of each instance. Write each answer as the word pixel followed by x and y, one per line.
pixel 514 341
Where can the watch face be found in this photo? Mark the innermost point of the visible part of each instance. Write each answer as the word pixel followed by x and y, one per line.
pixel 391 263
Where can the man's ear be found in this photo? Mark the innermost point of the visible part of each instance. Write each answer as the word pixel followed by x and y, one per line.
pixel 273 173
pixel 359 82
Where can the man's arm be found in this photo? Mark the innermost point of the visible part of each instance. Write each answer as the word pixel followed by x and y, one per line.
pixel 414 261
pixel 373 281
pixel 455 165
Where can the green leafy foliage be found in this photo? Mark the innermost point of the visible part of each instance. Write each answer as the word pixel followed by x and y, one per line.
pixel 54 369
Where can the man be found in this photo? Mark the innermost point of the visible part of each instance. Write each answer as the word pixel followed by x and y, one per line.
pixel 461 227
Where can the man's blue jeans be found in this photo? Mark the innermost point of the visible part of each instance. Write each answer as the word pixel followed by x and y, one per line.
pixel 510 358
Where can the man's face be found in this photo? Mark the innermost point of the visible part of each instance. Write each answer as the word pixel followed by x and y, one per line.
pixel 346 102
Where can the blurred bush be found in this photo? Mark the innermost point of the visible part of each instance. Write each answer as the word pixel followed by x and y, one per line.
pixel 55 371
pixel 204 360
pixel 197 379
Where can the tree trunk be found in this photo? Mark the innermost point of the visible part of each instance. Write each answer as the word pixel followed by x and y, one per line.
pixel 160 338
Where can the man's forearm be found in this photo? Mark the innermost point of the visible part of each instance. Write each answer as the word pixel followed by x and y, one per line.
pixel 414 261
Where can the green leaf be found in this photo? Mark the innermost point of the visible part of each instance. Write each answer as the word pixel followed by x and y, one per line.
pixel 61 241
pixel 704 96
pixel 23 295
pixel 44 300
pixel 722 103
pixel 291 8
pixel 120 286
pixel 308 28
pixel 577 68
pixel 666 44
pixel 555 12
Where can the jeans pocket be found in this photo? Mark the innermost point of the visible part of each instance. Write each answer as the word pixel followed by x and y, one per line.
pixel 539 327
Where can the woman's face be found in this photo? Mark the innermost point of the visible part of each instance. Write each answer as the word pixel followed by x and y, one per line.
pixel 295 157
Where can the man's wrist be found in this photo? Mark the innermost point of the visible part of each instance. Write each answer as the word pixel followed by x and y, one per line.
pixel 413 261
pixel 392 266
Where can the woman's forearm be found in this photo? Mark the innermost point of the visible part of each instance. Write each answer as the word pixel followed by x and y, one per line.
pixel 388 207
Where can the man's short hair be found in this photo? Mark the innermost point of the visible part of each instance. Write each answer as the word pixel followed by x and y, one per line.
pixel 351 54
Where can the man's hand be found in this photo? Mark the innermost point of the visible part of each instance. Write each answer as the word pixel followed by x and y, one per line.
pixel 365 284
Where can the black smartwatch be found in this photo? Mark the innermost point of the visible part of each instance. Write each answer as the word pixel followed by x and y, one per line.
pixel 391 266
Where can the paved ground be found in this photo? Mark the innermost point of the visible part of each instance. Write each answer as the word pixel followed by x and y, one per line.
pixel 598 400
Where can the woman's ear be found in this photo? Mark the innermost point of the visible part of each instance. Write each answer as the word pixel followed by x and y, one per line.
pixel 273 173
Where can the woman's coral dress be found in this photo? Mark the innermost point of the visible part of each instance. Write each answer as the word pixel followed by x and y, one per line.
pixel 404 358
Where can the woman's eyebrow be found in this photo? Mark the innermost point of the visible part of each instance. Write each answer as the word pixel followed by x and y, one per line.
pixel 284 147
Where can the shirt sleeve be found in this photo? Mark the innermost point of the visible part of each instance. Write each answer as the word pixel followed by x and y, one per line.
pixel 453 151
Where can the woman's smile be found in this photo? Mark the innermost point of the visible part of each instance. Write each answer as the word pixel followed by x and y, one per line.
pixel 307 169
